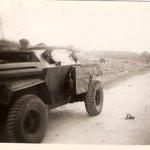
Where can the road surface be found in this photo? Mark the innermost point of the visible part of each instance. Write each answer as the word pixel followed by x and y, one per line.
pixel 71 125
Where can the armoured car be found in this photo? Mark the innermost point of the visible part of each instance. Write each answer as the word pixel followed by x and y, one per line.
pixel 33 80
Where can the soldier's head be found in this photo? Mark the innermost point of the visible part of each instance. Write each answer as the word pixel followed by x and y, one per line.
pixel 24 43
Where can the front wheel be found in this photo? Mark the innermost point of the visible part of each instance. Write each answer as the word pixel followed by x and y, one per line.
pixel 94 98
pixel 27 120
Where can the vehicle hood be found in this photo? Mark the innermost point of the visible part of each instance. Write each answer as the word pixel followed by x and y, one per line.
pixel 20 69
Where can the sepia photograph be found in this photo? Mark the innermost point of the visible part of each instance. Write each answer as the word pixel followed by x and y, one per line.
pixel 75 72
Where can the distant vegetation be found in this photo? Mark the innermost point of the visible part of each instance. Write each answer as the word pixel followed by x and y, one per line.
pixel 145 56
pixel 118 64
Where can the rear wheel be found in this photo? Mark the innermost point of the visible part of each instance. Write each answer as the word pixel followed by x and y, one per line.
pixel 94 98
pixel 27 120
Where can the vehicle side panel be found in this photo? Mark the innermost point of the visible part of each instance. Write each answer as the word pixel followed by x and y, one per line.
pixel 55 80
pixel 83 75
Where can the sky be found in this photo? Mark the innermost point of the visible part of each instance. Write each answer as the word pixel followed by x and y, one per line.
pixel 123 26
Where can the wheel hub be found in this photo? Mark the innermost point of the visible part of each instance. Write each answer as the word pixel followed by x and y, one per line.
pixel 31 122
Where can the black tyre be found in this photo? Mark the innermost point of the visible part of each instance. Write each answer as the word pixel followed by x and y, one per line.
pixel 3 117
pixel 94 98
pixel 27 120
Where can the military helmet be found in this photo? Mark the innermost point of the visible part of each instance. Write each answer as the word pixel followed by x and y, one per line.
pixel 24 41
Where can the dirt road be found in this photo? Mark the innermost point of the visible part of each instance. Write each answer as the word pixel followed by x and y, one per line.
pixel 71 125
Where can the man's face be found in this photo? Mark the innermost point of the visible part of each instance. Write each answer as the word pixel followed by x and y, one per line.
pixel 24 45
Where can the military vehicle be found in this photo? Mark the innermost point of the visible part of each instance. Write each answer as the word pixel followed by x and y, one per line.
pixel 36 79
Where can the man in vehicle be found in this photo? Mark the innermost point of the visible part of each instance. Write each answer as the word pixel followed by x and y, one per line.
pixel 24 44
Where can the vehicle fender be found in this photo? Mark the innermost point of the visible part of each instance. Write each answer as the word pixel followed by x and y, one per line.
pixel 18 85
pixel 25 86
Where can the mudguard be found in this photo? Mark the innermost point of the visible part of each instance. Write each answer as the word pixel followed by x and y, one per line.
pixel 23 84
pixel 12 86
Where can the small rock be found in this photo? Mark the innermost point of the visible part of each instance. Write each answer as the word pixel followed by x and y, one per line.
pixel 129 85
pixel 56 135
pixel 129 116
